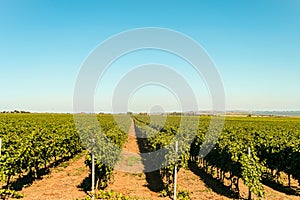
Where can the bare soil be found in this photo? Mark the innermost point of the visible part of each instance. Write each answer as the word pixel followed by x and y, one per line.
pixel 128 177
pixel 61 183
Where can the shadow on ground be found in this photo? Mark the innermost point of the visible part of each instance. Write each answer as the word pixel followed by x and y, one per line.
pixel 293 190
pixel 212 183
pixel 154 180
pixel 28 179
pixel 86 184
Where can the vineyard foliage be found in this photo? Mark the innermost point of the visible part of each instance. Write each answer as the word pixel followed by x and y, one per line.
pixel 105 140
pixel 274 144
pixel 32 141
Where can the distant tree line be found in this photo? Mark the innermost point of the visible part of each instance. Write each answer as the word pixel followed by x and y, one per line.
pixel 15 111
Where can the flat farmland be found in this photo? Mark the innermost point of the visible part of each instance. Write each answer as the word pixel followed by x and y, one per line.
pixel 45 156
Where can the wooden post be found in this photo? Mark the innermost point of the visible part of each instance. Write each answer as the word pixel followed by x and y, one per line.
pixel 0 145
pixel 249 192
pixel 175 172
pixel 93 171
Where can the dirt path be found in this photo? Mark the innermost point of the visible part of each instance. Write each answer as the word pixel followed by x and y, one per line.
pixel 61 183
pixel 131 160
pixel 128 176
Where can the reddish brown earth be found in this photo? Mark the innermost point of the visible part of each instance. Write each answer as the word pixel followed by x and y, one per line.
pixel 130 183
pixel 61 183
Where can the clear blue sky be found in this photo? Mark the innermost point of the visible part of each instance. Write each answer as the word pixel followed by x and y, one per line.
pixel 254 44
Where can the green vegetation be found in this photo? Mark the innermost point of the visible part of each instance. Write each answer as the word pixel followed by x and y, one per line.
pixel 31 142
pixel 7 193
pixel 107 145
pixel 112 195
pixel 274 144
